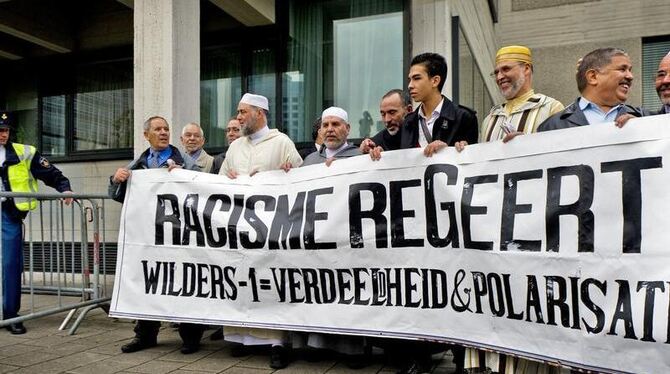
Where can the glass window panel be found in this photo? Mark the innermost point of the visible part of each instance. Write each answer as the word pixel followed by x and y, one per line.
pixel 220 91
pixel 368 59
pixel 104 107
pixel 313 57
pixel 263 80
pixel 652 53
pixel 53 125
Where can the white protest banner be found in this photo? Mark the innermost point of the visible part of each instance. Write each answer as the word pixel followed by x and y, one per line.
pixel 552 247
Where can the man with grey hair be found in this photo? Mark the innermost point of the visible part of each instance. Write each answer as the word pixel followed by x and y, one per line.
pixel 663 84
pixel 260 149
pixel 604 78
pixel 193 139
pixel 160 154
pixel 335 131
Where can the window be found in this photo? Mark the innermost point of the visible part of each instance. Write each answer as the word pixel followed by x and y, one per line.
pixel 343 53
pixel 653 50
pixel 320 53
pixel 95 115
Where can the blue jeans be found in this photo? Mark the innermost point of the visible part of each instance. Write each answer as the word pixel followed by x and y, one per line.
pixel 12 265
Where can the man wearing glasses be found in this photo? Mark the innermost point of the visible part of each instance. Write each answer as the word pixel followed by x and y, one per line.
pixel 233 131
pixel 663 84
pixel 523 109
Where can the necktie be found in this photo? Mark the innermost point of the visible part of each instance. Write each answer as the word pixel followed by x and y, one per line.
pixel 154 160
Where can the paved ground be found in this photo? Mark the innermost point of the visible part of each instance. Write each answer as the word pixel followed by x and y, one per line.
pixel 96 349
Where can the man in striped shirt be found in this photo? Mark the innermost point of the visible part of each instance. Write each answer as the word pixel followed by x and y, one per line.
pixel 524 110
pixel 521 113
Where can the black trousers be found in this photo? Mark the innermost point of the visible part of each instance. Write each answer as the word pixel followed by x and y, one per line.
pixel 190 333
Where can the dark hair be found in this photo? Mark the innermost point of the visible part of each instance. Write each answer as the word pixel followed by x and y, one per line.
pixel 435 65
pixel 595 60
pixel 316 126
pixel 404 96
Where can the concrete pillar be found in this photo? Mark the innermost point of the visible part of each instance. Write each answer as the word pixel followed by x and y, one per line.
pixel 167 65
pixel 431 32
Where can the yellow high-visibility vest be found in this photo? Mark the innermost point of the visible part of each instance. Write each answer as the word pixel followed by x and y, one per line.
pixel 21 179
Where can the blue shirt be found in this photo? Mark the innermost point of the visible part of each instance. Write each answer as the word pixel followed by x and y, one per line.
pixel 163 156
pixel 594 114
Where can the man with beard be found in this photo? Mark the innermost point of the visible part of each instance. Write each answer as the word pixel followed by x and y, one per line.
pixel 335 131
pixel 193 139
pixel 523 109
pixel 521 113
pixel 393 108
pixel 663 84
pixel 260 149
pixel 604 77
pixel 233 131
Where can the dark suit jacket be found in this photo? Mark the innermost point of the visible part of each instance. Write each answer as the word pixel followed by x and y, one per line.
pixel 572 116
pixel 455 123
pixel 387 141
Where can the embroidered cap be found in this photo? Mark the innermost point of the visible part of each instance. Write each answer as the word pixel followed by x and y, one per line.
pixel 514 53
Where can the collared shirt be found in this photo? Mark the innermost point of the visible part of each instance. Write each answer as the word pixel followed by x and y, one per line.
pixel 515 103
pixel 594 114
pixel 330 153
pixel 428 121
pixel 195 154
pixel 256 137
pixel 163 155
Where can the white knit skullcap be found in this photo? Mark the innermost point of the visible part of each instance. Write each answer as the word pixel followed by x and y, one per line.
pixel 335 112
pixel 255 100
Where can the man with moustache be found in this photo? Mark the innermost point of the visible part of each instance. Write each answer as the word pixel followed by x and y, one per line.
pixel 663 84
pixel 393 108
pixel 604 77
pixel 160 154
pixel 233 131
pixel 335 131
pixel 193 139
pixel 260 149
pixel 524 110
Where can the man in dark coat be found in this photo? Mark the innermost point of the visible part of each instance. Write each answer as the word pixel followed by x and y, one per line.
pixel 604 77
pixel 437 122
pixel 160 154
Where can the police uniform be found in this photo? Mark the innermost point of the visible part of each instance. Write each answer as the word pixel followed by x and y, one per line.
pixel 21 166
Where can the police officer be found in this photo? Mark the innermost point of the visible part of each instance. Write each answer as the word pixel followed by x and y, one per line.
pixel 20 164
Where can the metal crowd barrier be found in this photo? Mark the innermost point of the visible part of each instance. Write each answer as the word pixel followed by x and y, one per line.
pixel 57 241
